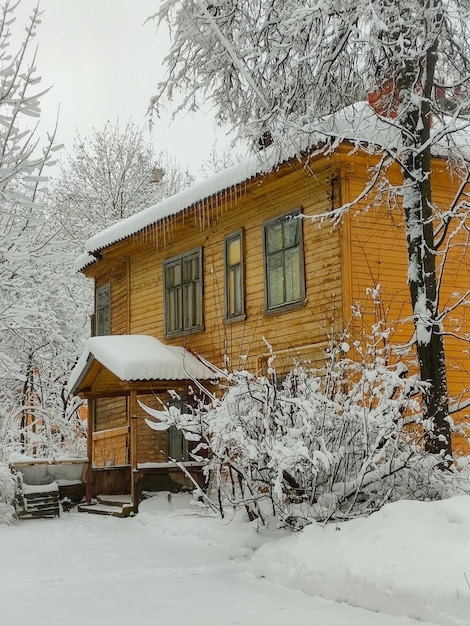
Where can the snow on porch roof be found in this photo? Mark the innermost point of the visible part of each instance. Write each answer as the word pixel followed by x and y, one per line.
pixel 139 358
pixel 358 124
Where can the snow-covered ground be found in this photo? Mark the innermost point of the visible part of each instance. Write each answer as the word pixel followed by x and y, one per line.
pixel 172 565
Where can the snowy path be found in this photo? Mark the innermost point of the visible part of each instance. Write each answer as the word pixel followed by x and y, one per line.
pixel 98 570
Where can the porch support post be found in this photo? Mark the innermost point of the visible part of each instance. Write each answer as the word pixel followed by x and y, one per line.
pixel 133 442
pixel 89 446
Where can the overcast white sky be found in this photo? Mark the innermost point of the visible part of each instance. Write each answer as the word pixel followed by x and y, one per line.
pixel 103 63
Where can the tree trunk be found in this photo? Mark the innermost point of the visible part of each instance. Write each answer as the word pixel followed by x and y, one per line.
pixel 415 118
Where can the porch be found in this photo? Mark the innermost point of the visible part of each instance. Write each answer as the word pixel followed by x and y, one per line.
pixel 116 375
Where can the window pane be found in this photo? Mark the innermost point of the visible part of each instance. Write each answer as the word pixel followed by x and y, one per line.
pixel 191 269
pixel 173 275
pixel 275 280
pixel 234 251
pixel 102 297
pixel 177 444
pixel 292 275
pixel 102 322
pixel 103 311
pixel 174 310
pixel 274 238
pixel 234 286
pixel 191 305
pixel 188 305
pixel 291 230
pixel 237 292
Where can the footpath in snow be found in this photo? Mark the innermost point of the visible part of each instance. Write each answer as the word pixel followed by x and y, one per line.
pixel 170 564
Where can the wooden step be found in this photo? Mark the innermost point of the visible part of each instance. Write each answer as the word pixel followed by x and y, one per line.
pixel 117 509
pixel 116 500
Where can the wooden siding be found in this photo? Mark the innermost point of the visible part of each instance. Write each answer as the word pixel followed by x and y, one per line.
pixel 151 444
pixel 343 265
pixel 111 447
pixel 242 341
pixel 110 432
pixel 378 256
pixel 110 413
pixel 115 272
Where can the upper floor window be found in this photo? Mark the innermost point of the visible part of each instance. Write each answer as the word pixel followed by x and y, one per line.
pixel 234 280
pixel 103 310
pixel 183 293
pixel 283 261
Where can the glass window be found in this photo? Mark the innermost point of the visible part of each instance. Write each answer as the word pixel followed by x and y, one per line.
pixel 183 293
pixel 234 280
pixel 177 444
pixel 284 277
pixel 102 310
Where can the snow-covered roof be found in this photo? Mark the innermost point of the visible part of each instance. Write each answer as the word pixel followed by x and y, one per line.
pixel 358 123
pixel 140 357
pixel 256 164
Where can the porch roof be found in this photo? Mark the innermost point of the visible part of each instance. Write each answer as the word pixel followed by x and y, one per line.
pixel 137 358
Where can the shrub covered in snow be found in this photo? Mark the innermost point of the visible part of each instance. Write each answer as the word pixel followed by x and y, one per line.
pixel 316 446
pixel 7 494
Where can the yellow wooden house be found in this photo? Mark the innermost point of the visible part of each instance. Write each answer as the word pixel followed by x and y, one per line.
pixel 246 259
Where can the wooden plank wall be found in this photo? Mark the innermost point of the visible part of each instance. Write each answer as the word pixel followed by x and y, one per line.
pixel 342 265
pixel 378 255
pixel 114 271
pixel 151 444
pixel 264 199
pixel 110 432
pixel 110 413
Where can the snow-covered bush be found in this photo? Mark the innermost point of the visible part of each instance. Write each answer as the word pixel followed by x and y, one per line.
pixel 315 445
pixel 7 494
pixel 38 433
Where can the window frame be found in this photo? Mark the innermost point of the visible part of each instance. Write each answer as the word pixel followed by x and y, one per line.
pixel 106 288
pixel 173 433
pixel 175 436
pixel 241 315
pixel 300 301
pixel 179 259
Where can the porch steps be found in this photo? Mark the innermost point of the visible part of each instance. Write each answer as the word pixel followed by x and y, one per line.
pixel 117 506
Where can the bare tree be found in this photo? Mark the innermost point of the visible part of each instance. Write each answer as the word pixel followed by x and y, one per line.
pixel 31 326
pixel 109 176
pixel 22 163
pixel 284 66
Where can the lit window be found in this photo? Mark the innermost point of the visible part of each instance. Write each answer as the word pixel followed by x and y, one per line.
pixel 283 257
pixel 234 282
pixel 183 293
